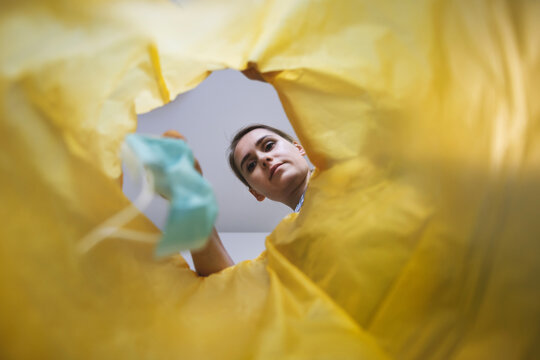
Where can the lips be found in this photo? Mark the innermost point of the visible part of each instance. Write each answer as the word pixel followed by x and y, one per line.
pixel 273 170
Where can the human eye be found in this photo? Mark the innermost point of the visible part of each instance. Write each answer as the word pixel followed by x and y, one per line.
pixel 250 166
pixel 269 145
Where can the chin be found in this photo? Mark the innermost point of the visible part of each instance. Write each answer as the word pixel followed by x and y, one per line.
pixel 289 179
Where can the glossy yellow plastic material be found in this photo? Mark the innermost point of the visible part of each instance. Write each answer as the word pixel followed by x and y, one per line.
pixel 419 237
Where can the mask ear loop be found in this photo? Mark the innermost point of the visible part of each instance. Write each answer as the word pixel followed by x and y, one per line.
pixel 112 227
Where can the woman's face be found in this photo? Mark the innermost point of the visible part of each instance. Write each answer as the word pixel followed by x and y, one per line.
pixel 272 166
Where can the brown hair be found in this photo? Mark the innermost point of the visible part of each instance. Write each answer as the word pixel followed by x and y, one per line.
pixel 240 134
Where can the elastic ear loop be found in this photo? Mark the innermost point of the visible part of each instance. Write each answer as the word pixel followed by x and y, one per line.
pixel 112 227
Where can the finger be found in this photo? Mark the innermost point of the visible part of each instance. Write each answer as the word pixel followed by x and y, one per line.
pixel 253 74
pixel 197 166
pixel 173 134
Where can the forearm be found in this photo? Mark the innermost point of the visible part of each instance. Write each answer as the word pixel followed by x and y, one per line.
pixel 212 258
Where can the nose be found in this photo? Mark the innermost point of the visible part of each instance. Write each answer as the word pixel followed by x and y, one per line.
pixel 265 160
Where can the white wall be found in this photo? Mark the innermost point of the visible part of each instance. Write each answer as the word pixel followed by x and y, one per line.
pixel 209 116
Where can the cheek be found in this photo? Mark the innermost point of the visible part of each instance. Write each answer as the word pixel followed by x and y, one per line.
pixel 255 176
pixel 261 174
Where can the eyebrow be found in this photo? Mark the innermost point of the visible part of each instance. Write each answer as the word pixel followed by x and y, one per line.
pixel 261 139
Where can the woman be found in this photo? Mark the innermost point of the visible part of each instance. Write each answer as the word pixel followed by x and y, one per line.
pixel 272 165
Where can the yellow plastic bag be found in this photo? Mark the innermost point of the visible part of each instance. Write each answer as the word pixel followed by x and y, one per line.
pixel 418 237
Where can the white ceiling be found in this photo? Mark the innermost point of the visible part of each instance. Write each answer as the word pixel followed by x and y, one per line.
pixel 209 116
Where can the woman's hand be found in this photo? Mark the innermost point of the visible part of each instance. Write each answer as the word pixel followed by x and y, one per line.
pixel 213 257
pixel 253 74
pixel 176 135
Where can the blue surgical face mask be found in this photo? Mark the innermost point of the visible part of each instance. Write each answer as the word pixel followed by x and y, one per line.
pixel 193 208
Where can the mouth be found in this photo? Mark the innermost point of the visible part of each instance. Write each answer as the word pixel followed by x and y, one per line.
pixel 273 170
